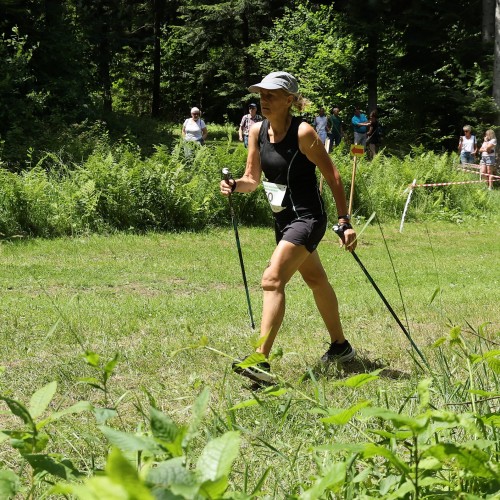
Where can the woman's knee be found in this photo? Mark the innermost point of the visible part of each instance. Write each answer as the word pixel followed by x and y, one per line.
pixel 271 281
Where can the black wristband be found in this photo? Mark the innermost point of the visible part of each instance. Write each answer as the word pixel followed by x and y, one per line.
pixel 340 228
pixel 233 187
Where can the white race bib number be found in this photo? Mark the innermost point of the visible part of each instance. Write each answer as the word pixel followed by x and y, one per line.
pixel 275 194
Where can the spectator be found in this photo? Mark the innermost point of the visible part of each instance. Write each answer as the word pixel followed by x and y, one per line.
pixel 335 125
pixel 247 122
pixel 194 128
pixel 467 146
pixel 360 124
pixel 321 125
pixel 487 151
pixel 374 135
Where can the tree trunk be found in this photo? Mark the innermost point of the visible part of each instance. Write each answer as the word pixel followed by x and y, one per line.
pixel 496 64
pixel 104 67
pixel 158 18
pixel 372 70
pixel 488 21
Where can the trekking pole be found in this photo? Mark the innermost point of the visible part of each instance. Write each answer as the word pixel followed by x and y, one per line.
pixel 340 232
pixel 226 175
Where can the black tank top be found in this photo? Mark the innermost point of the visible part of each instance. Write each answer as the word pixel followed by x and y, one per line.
pixel 283 163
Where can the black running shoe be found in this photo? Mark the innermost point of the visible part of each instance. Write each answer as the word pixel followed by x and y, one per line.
pixel 259 372
pixel 339 353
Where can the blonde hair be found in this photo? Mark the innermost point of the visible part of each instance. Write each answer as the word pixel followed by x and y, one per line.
pixel 467 128
pixel 299 102
pixel 490 134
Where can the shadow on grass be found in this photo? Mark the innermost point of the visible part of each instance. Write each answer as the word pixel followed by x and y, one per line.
pixel 360 364
pixel 332 370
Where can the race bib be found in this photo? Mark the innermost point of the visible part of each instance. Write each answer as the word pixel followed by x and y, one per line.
pixel 275 194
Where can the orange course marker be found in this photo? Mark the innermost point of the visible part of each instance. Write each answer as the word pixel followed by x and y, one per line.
pixel 357 150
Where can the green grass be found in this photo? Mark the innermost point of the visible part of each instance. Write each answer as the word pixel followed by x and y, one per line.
pixel 148 296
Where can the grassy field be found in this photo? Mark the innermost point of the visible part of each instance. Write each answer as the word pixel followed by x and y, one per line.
pixel 146 297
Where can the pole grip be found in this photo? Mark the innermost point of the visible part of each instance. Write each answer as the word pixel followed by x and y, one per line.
pixel 226 174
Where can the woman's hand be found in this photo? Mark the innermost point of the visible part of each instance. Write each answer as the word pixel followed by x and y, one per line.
pixel 350 241
pixel 225 187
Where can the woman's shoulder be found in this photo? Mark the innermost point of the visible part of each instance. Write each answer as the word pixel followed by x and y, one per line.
pixel 304 129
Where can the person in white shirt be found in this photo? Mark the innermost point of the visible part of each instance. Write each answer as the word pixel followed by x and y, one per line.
pixel 487 151
pixel 467 146
pixel 321 125
pixel 194 128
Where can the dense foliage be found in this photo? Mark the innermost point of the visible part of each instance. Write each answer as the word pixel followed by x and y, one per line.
pixel 177 188
pixel 424 64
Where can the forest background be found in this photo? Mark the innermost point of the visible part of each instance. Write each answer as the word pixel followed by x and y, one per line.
pixel 71 71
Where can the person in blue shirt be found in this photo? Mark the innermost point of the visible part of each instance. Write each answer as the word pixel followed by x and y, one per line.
pixel 360 124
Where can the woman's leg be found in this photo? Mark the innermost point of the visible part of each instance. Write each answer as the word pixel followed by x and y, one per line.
pixel 326 301
pixel 285 261
pixel 489 171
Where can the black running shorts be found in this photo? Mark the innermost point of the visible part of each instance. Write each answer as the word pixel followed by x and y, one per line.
pixel 305 232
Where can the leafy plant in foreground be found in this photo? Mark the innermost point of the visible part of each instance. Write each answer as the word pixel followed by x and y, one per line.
pixel 158 463
pixel 31 441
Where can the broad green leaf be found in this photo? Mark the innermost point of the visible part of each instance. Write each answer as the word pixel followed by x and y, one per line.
pixel 329 480
pixel 217 457
pixel 63 469
pixel 342 417
pixel 95 488
pixel 102 415
pixel 162 426
pixel 372 450
pixel 402 491
pixel 430 463
pixel 387 483
pixel 359 380
pixel 170 472
pixel 492 419
pixel 493 361
pixel 121 472
pixel 274 391
pixel 484 394
pixel 10 484
pixel 197 413
pixel 92 358
pixel 252 360
pixel 215 489
pixel 71 410
pixel 245 404
pixel 167 432
pixel 19 410
pixel 416 424
pixel 128 442
pixel 470 460
pixel 110 365
pixel 363 475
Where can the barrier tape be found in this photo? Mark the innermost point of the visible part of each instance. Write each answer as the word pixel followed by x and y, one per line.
pixel 480 173
pixel 411 186
pixel 450 183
